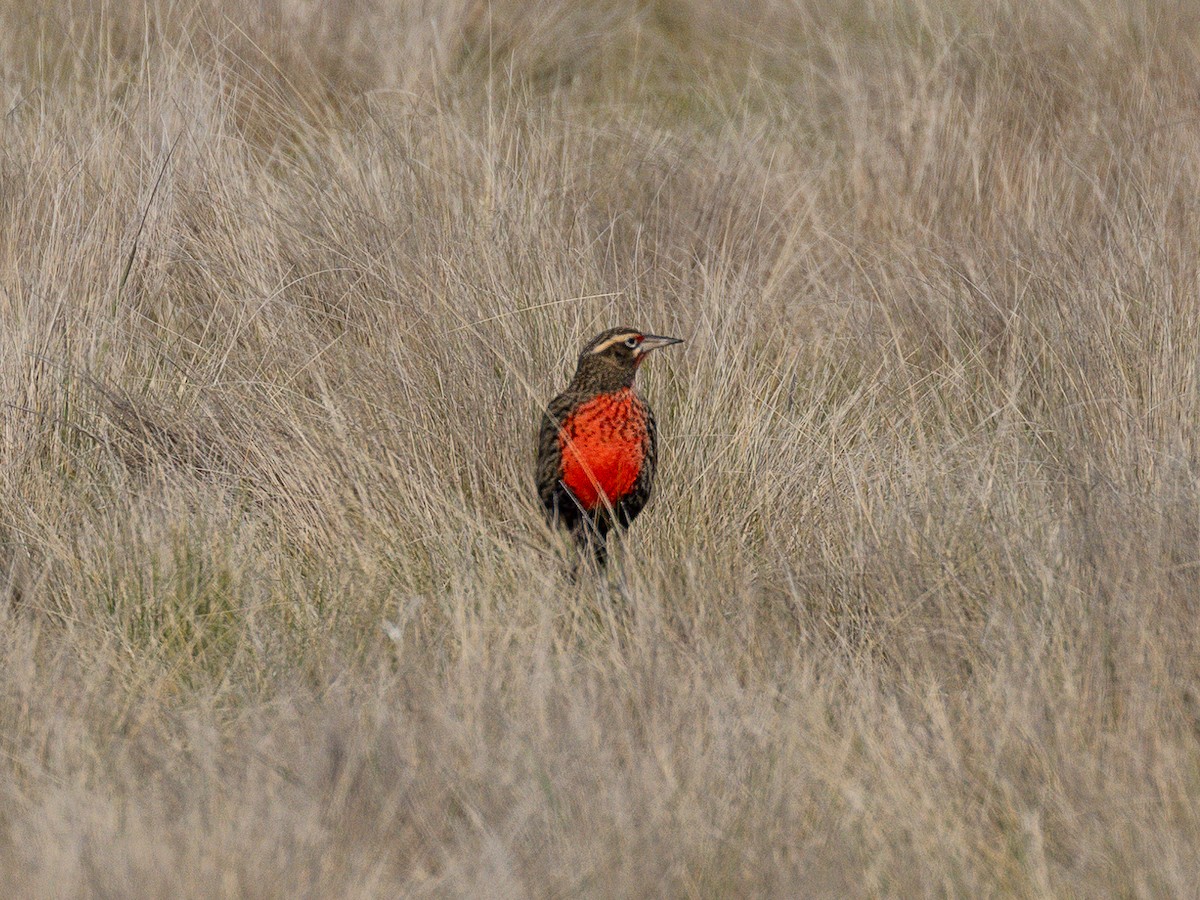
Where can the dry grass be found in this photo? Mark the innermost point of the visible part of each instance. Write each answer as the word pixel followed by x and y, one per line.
pixel 915 610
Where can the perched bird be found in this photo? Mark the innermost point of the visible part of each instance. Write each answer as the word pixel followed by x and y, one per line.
pixel 598 446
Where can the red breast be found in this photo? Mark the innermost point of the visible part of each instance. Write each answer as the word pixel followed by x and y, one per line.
pixel 603 443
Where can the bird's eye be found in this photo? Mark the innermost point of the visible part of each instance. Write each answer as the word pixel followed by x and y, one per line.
pixel 631 343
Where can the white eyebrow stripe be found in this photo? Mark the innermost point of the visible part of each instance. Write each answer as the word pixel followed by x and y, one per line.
pixel 616 339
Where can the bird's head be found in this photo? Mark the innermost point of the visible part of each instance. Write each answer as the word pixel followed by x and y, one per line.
pixel 611 359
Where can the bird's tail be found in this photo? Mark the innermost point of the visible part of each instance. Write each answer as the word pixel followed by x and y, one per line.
pixel 592 543
pixel 599 547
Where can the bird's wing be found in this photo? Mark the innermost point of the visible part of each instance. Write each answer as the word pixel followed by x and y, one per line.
pixel 549 455
pixel 631 504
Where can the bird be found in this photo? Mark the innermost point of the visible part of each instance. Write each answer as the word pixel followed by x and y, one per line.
pixel 597 446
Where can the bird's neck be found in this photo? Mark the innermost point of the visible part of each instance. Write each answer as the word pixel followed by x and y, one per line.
pixel 601 377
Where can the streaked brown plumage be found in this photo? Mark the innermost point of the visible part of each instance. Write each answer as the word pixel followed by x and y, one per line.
pixel 598 443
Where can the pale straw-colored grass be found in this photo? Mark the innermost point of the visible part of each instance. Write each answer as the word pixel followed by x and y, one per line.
pixel 915 608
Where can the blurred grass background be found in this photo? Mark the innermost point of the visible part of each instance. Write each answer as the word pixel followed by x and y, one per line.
pixel 914 610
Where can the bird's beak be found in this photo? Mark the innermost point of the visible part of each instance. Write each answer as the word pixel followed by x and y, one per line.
pixel 655 342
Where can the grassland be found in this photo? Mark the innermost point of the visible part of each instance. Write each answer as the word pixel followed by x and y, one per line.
pixel 914 611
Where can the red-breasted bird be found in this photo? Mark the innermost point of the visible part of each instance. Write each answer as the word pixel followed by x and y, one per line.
pixel 598 444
